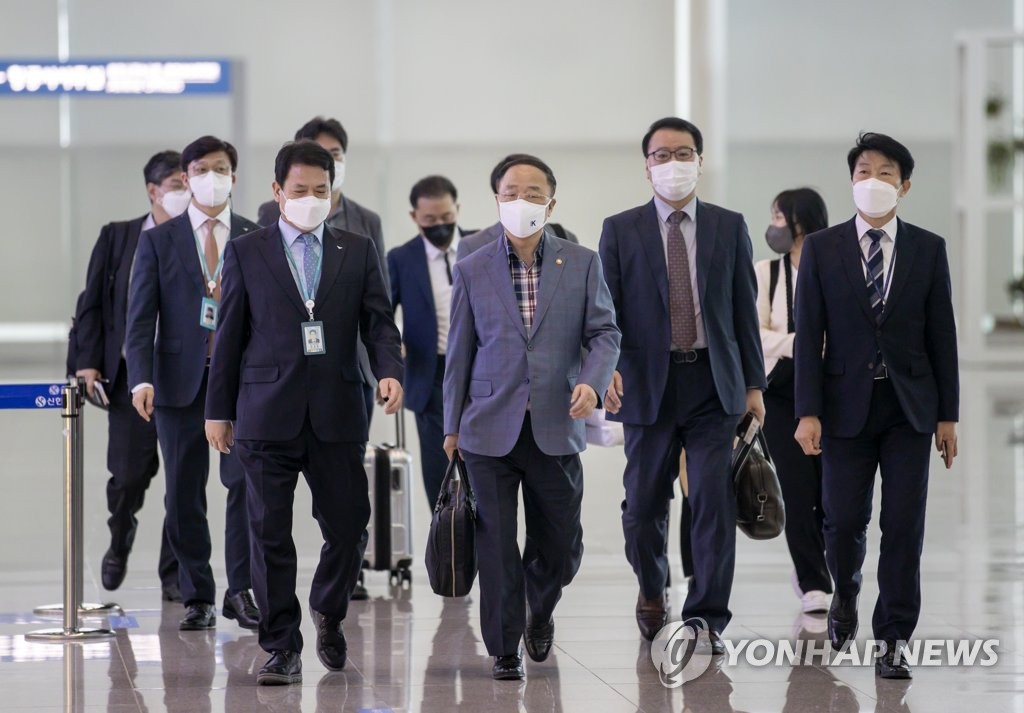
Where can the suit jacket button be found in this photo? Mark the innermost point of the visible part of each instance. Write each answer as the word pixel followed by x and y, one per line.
pixel 529 347
pixel 871 365
pixel 526 381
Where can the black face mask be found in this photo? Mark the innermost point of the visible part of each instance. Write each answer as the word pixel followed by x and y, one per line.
pixel 440 236
pixel 780 239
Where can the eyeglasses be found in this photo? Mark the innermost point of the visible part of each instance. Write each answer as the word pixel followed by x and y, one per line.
pixel 665 155
pixel 538 198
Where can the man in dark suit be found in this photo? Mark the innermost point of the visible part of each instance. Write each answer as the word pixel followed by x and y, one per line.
pixel 345 214
pixel 681 274
pixel 175 283
pixel 876 375
pixel 475 241
pixel 99 358
pixel 533 343
pixel 421 282
pixel 295 401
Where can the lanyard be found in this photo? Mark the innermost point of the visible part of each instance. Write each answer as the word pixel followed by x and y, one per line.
pixel 887 282
pixel 307 291
pixel 211 280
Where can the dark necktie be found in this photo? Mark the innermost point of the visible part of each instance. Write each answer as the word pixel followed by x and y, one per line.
pixel 680 290
pixel 448 267
pixel 875 274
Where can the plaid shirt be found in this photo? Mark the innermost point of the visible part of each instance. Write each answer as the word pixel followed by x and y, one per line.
pixel 525 281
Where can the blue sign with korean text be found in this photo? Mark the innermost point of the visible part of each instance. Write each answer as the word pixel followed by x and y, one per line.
pixel 115 77
pixel 31 396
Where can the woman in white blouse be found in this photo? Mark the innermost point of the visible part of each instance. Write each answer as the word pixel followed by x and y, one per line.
pixel 795 214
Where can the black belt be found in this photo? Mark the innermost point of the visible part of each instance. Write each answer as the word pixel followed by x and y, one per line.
pixel 689 356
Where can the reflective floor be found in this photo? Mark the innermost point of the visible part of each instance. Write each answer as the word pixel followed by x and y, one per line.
pixel 412 651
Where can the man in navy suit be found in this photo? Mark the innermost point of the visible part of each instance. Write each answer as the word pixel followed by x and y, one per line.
pixel 876 375
pixel 421 282
pixel 297 296
pixel 681 274
pixel 99 358
pixel 175 284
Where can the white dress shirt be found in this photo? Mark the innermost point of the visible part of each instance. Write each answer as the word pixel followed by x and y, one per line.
pixel 888 244
pixel 688 227
pixel 776 340
pixel 440 286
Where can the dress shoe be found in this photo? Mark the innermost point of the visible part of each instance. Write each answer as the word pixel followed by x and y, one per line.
pixel 651 615
pixel 710 645
pixel 283 668
pixel 113 569
pixel 717 645
pixel 886 665
pixel 842 621
pixel 538 639
pixel 170 593
pixel 509 667
pixel 242 609
pixel 198 615
pixel 359 594
pixel 331 647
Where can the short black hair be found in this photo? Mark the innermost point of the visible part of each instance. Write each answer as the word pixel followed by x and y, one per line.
pixel 677 124
pixel 804 207
pixel 204 146
pixel 306 153
pixel 432 187
pixel 161 165
pixel 319 125
pixel 521 159
pixel 885 145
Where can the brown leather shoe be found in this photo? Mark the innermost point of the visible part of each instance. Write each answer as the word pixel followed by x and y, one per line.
pixel 651 615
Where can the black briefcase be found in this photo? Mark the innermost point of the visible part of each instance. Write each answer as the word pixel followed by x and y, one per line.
pixel 451 545
pixel 760 509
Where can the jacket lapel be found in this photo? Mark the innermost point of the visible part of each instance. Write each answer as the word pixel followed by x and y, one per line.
pixel 501 279
pixel 550 274
pixel 185 245
pixel 421 272
pixel 707 229
pixel 904 251
pixel 650 238
pixel 239 226
pixel 334 253
pixel 272 249
pixel 849 249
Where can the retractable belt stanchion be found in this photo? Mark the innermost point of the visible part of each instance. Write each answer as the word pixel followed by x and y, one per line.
pixel 72 606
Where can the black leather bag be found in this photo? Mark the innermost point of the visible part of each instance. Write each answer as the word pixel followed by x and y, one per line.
pixel 760 509
pixel 451 545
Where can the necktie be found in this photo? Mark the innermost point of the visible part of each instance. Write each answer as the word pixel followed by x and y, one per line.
pixel 212 256
pixel 680 290
pixel 875 273
pixel 448 267
pixel 309 262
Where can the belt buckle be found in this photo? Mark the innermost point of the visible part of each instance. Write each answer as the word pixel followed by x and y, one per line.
pixel 884 374
pixel 685 356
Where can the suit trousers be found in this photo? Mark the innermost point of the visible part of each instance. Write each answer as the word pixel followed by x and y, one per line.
pixel 430 427
pixel 509 582
pixel 800 478
pixel 690 414
pixel 182 436
pixel 133 463
pixel 888 443
pixel 341 506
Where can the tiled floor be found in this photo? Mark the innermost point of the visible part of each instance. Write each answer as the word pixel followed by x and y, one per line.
pixel 412 651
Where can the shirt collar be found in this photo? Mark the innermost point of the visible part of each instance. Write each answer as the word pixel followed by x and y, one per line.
pixel 198 217
pixel 890 228
pixel 148 223
pixel 290 233
pixel 665 210
pixel 436 253
pixel 538 253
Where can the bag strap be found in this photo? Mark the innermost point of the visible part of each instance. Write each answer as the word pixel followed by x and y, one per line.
pixel 790 324
pixel 773 281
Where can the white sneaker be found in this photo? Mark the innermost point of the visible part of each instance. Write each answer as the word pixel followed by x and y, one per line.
pixel 814 602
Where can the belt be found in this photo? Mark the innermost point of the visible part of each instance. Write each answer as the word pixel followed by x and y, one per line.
pixel 883 374
pixel 688 356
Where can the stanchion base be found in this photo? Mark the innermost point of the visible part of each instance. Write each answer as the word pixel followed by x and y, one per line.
pixel 60 635
pixel 87 609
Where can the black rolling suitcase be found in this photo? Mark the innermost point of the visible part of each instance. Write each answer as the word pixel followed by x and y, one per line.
pixel 389 473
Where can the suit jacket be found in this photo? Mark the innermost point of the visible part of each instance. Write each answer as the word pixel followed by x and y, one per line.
pixel 411 288
pixel 634 264
pixel 917 336
pixel 102 308
pixel 477 240
pixel 495 368
pixel 260 378
pixel 165 345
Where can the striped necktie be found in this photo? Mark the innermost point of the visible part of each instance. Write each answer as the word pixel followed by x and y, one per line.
pixel 875 274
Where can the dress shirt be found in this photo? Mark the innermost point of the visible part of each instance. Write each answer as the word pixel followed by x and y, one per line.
pixel 221 229
pixel 525 280
pixel 290 237
pixel 776 339
pixel 688 228
pixel 888 244
pixel 440 286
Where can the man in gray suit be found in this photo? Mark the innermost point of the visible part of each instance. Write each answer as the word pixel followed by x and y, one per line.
pixel 517 387
pixel 471 243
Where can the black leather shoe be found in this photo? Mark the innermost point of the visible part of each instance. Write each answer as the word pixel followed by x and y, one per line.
pixel 717 645
pixel 331 647
pixel 283 668
pixel 242 609
pixel 198 615
pixel 113 569
pixel 538 638
pixel 842 621
pixel 359 594
pixel 886 665
pixel 171 593
pixel 651 615
pixel 508 668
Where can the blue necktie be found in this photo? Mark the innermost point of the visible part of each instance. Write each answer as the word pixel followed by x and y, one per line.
pixel 309 262
pixel 875 274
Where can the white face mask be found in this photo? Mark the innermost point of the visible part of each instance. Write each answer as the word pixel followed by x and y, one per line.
pixel 674 180
pixel 308 212
pixel 210 189
pixel 521 218
pixel 339 176
pixel 875 198
pixel 175 202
